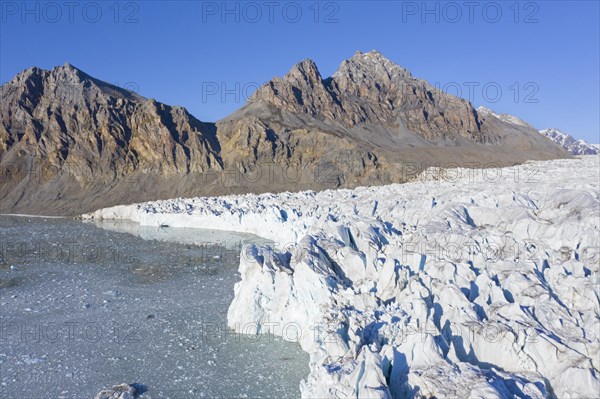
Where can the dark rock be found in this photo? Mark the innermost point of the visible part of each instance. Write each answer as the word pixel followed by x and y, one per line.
pixel 122 391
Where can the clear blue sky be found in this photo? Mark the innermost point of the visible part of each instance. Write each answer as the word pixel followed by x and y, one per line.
pixel 185 53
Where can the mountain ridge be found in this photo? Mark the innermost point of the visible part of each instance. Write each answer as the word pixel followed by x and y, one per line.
pixel 369 88
pixel 570 143
pixel 364 125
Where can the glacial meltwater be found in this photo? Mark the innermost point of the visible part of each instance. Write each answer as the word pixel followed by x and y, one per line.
pixel 87 306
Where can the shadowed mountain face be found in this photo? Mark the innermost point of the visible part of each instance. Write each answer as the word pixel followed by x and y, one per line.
pixel 70 143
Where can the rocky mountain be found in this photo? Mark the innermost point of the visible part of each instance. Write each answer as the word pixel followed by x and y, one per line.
pixel 376 114
pixel 70 143
pixel 569 143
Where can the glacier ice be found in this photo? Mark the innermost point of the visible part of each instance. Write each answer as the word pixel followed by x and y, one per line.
pixel 466 283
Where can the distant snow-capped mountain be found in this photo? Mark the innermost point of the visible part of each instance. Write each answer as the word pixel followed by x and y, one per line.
pixel 565 140
pixel 571 144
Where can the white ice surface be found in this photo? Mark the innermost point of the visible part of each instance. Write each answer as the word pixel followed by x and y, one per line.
pixel 467 284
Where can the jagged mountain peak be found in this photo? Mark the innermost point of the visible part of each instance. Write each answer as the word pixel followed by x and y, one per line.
pixel 68 83
pixel 374 100
pixel 67 66
pixel 361 68
pixel 25 75
pixel 304 71
pixel 570 143
pixel 372 65
pixel 369 90
pixel 70 73
pixel 373 56
pixel 373 52
pixel 66 73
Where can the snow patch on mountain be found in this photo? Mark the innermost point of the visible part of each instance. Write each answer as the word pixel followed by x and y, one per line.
pixel 503 117
pixel 468 283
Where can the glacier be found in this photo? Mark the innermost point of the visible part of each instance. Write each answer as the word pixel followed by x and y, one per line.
pixel 465 283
